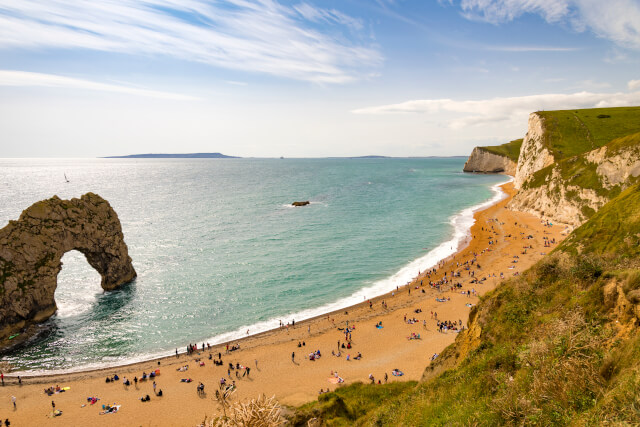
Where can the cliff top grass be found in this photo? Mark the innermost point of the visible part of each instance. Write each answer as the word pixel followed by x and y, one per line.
pixel 510 149
pixel 572 132
pixel 549 352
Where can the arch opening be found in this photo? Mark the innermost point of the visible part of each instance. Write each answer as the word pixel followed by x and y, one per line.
pixel 78 285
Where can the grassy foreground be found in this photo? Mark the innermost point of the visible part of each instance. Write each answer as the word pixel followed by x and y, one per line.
pixel 559 345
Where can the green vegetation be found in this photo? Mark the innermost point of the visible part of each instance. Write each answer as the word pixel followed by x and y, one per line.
pixel 578 172
pixel 624 143
pixel 613 231
pixel 347 405
pixel 560 345
pixel 572 132
pixel 510 149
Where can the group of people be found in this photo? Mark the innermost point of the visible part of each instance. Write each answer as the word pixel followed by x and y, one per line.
pixel 448 325
pixel 51 390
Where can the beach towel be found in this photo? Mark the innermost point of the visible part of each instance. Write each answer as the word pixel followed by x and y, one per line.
pixel 55 413
pixel 379 326
pixel 111 410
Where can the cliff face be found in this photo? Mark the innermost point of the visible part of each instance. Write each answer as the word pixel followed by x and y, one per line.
pixel 556 201
pixel 31 249
pixel 571 190
pixel 570 163
pixel 533 154
pixel 484 161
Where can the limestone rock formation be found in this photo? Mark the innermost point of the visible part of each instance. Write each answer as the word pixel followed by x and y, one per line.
pixel 305 203
pixel 484 161
pixel 572 189
pixel 31 249
pixel 533 154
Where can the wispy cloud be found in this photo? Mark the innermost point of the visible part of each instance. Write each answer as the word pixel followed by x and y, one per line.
pixel 251 35
pixel 633 84
pixel 24 78
pixel 616 20
pixel 529 48
pixel 474 112
pixel 236 83
pixel 330 16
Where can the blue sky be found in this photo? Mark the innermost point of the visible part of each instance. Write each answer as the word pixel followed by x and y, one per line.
pixel 304 78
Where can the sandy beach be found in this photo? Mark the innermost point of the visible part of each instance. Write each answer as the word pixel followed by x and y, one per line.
pixel 500 238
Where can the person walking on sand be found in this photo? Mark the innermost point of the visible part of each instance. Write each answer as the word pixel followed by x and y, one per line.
pixel 53 405
pixel 293 356
pixel 2 378
pixel 154 387
pixel 13 400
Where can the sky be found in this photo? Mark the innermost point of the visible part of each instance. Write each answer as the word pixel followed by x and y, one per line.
pixel 303 78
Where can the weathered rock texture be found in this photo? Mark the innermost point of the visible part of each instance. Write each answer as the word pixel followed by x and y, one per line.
pixel 560 202
pixel 31 249
pixel 571 190
pixel 533 153
pixel 483 161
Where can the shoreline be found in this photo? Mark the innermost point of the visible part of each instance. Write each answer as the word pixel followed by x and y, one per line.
pixel 460 238
pixel 498 238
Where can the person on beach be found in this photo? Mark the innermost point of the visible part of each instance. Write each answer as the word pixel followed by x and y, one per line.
pixel 293 356
pixel 13 400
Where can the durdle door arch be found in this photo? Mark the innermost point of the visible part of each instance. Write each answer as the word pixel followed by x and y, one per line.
pixel 31 249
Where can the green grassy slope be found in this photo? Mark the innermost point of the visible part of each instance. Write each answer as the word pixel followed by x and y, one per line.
pixel 510 149
pixel 556 347
pixel 613 232
pixel 572 132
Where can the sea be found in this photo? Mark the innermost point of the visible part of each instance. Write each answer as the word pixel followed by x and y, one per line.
pixel 220 252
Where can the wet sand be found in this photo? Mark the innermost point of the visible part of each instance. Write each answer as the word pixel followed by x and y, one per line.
pixel 299 381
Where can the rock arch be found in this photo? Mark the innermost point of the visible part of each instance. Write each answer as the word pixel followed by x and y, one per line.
pixel 32 246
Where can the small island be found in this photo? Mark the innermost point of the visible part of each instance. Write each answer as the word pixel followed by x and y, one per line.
pixel 305 203
pixel 174 156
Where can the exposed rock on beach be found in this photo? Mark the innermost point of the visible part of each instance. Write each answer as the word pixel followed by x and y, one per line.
pixel 31 249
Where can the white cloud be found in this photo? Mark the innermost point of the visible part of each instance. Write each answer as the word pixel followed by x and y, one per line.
pixel 633 84
pixel 24 78
pixel 616 20
pixel 530 48
pixel 250 35
pixel 515 109
pixel 328 15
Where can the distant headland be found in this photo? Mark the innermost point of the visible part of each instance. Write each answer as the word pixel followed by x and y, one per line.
pixel 174 156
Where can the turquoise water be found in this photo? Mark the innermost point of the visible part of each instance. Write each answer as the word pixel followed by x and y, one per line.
pixel 218 249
